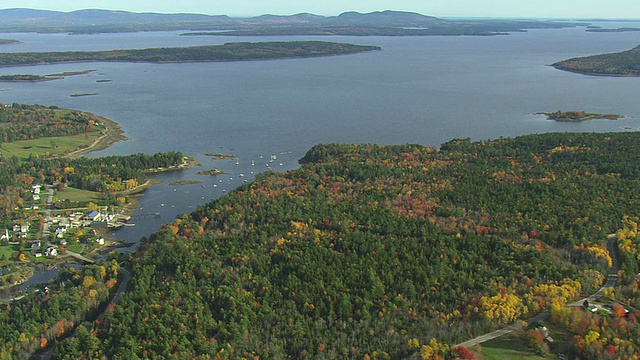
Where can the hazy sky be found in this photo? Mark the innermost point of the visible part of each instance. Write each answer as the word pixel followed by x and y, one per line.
pixel 627 9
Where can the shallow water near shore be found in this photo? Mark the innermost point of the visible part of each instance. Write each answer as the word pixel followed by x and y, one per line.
pixel 425 90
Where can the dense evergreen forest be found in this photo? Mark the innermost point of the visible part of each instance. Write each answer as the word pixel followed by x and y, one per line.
pixel 625 63
pixel 387 252
pixel 228 52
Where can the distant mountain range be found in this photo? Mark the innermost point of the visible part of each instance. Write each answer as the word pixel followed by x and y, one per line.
pixel 106 17
pixel 12 20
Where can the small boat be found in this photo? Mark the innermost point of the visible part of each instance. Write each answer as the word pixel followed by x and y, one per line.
pixel 241 175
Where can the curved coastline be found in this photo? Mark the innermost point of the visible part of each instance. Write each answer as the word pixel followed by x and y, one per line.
pixel 111 134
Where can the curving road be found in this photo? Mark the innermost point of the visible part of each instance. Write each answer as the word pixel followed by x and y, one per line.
pixel 612 278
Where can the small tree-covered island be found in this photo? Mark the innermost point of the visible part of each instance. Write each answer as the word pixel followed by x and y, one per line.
pixel 577 116
pixel 238 51
pixel 369 251
pixel 625 63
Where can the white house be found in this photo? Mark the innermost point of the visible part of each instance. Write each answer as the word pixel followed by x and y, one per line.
pixel 51 251
pixel 60 232
pixel 36 189
pixel 21 228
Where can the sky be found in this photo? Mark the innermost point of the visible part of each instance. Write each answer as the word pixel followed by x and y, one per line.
pixel 572 9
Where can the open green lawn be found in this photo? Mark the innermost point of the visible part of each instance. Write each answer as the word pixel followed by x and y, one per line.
pixel 8 252
pixel 48 146
pixel 77 195
pixel 506 347
pixel 76 248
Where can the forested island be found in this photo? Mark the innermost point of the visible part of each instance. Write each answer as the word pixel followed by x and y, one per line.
pixel 8 41
pixel 617 30
pixel 577 116
pixel 625 63
pixel 240 51
pixel 37 78
pixel 371 251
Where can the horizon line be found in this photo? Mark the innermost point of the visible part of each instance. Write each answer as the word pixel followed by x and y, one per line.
pixel 245 16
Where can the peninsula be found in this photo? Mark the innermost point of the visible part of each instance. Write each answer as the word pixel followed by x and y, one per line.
pixel 625 63
pixel 577 116
pixel 240 51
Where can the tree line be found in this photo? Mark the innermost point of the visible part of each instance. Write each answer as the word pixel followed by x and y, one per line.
pixel 380 251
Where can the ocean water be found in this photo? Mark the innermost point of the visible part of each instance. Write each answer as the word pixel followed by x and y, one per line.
pixel 425 90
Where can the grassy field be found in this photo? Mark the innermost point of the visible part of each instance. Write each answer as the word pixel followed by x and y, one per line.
pixel 8 252
pixel 506 347
pixel 77 195
pixel 48 146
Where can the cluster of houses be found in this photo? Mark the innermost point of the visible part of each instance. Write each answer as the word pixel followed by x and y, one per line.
pixel 60 227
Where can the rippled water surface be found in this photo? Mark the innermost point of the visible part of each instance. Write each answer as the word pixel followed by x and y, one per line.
pixel 424 90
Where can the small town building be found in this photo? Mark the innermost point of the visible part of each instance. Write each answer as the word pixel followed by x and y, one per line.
pixel 92 216
pixel 51 251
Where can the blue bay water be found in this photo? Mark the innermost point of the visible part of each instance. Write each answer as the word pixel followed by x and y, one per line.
pixel 424 90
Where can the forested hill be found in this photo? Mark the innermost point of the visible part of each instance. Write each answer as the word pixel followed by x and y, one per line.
pixel 387 22
pixel 625 63
pixel 378 251
pixel 239 51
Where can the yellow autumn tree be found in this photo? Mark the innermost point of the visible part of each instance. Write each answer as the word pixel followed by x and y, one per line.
pixel 502 308
pixel 434 350
pixel 132 183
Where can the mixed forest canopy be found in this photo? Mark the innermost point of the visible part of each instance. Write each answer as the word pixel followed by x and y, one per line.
pixel 384 251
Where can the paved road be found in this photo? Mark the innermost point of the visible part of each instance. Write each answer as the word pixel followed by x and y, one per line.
pixel 612 278
pixel 47 217
pixel 498 333
pixel 123 285
pixel 80 257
